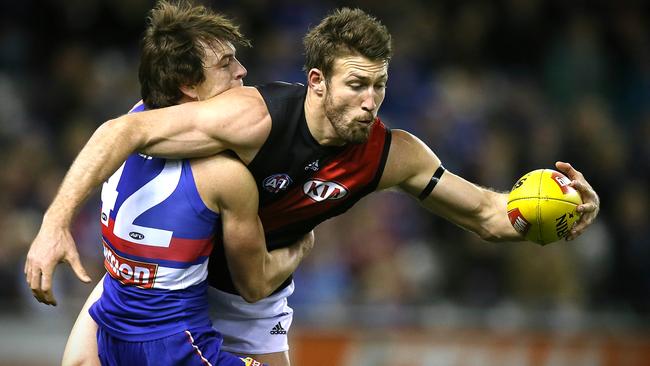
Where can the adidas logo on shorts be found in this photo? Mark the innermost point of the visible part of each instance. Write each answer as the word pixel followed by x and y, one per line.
pixel 278 329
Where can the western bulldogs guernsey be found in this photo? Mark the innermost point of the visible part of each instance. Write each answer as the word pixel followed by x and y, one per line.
pixel 157 236
pixel 300 182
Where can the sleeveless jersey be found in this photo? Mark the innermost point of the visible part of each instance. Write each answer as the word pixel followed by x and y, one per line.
pixel 157 235
pixel 302 183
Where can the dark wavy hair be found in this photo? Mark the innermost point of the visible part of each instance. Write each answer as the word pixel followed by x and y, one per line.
pixel 172 51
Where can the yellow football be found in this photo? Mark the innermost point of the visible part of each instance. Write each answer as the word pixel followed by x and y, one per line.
pixel 542 206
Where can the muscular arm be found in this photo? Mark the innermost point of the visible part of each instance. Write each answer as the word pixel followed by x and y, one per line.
pixel 227 186
pixel 410 166
pixel 236 120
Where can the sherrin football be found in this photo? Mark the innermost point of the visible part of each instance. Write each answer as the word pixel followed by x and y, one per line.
pixel 542 206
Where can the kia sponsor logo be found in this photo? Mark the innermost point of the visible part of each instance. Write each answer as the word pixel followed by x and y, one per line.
pixel 320 190
pixel 276 183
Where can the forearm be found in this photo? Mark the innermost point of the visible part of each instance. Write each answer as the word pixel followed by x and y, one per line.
pixel 494 221
pixel 257 276
pixel 256 273
pixel 412 166
pixel 108 147
pixel 280 264
pixel 488 219
pixel 474 208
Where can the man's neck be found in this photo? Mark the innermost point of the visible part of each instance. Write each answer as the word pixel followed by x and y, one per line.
pixel 319 125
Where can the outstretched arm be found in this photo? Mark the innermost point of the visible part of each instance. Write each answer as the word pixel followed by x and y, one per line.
pixel 225 183
pixel 54 243
pixel 411 164
pixel 236 119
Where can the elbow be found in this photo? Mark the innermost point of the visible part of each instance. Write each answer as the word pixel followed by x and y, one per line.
pixel 489 235
pixel 253 292
pixel 117 125
pixel 123 129
pixel 252 295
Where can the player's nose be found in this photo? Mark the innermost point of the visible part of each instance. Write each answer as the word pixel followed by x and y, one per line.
pixel 241 71
pixel 369 101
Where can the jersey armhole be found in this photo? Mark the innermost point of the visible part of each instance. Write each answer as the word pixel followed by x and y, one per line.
pixel 382 163
pixel 193 196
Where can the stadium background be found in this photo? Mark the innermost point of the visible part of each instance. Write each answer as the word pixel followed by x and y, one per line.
pixel 495 88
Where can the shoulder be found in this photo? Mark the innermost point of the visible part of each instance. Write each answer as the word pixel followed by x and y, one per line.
pixel 241 117
pixel 239 99
pixel 406 141
pixel 407 157
pixel 224 169
pixel 408 150
pixel 223 180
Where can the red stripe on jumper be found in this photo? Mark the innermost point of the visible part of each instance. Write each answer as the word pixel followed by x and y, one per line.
pixel 180 250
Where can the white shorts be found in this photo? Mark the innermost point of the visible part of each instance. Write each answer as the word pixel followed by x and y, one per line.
pixel 252 329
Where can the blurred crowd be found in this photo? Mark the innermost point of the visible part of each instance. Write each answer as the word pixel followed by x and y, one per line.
pixel 495 88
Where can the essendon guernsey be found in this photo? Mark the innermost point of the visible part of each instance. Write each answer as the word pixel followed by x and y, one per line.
pixel 300 182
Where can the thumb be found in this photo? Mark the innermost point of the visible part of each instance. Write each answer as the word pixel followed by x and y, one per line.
pixel 79 269
pixel 562 165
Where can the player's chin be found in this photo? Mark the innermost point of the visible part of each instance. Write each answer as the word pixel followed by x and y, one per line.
pixel 358 137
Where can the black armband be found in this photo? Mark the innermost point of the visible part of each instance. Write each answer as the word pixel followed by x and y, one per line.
pixel 432 183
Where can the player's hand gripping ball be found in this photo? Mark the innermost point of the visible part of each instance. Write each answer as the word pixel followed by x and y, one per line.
pixel 542 206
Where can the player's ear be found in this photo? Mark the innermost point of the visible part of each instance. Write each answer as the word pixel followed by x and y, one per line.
pixel 316 81
pixel 190 92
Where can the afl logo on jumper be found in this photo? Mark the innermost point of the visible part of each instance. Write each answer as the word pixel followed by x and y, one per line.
pixel 136 235
pixel 320 190
pixel 276 183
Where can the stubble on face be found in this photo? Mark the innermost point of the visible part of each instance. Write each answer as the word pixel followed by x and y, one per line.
pixel 349 130
pixel 353 96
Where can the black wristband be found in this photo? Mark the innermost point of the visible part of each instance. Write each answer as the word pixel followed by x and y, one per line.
pixel 432 183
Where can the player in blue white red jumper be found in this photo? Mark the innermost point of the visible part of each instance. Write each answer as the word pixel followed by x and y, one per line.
pixel 327 149
pixel 161 217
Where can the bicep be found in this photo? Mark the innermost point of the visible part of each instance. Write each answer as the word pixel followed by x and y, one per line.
pixel 411 165
pixel 242 232
pixel 242 229
pixel 178 131
pixel 234 120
